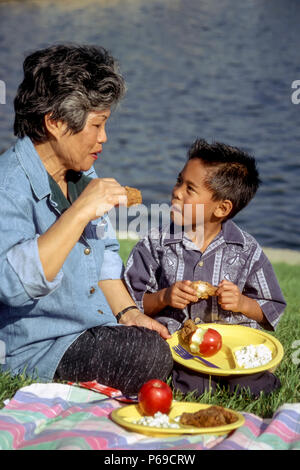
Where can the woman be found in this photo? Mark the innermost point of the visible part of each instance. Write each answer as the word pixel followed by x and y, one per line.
pixel 60 291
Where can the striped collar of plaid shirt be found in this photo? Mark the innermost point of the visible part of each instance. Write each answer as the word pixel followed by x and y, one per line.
pixel 161 258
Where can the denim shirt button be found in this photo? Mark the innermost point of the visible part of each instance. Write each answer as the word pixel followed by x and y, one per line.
pixel 92 290
pixel 87 251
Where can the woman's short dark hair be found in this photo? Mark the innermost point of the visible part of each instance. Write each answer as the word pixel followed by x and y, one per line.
pixel 231 173
pixel 66 81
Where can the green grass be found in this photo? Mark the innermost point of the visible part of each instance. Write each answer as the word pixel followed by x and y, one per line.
pixel 10 384
pixel 288 372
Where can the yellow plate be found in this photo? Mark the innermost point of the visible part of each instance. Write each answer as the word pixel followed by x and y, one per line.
pixel 126 416
pixel 233 337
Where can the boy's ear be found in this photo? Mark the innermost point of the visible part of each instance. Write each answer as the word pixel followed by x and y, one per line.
pixel 223 209
pixel 54 128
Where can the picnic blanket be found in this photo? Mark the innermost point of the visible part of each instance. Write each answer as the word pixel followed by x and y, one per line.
pixel 64 417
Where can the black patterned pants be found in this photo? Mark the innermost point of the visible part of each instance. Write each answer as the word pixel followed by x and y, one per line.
pixel 123 357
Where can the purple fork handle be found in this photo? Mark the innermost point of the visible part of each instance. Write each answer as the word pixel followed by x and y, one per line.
pixel 209 364
pixel 192 356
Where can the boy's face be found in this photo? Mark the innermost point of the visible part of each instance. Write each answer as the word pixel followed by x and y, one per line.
pixel 192 202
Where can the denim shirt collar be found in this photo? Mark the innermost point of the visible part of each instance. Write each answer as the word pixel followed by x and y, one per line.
pixel 41 182
pixel 33 167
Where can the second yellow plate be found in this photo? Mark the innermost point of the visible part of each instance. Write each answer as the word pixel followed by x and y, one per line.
pixel 127 415
pixel 233 337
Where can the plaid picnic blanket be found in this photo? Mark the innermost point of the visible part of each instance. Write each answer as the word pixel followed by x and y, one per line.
pixel 58 416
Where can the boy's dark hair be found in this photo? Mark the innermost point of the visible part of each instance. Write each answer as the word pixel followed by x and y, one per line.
pixel 67 81
pixel 232 173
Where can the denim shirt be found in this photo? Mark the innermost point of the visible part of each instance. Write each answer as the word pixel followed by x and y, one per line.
pixel 39 319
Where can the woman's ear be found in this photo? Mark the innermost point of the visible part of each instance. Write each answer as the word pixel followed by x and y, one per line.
pixel 54 128
pixel 223 209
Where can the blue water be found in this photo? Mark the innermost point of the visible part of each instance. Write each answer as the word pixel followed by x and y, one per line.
pixel 220 70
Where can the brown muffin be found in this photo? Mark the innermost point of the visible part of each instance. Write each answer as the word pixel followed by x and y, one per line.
pixel 134 196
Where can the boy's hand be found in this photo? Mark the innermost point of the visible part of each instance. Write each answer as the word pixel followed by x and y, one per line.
pixel 230 296
pixel 179 295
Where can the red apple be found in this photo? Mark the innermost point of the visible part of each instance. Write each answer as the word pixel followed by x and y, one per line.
pixel 206 342
pixel 155 395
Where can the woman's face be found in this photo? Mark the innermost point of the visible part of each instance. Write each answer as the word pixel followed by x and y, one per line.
pixel 79 151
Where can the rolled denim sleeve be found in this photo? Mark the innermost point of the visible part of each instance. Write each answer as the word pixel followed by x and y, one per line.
pixel 112 266
pixel 21 272
pixel 25 261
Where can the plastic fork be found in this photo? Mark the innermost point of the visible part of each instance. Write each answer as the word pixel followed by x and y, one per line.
pixel 186 355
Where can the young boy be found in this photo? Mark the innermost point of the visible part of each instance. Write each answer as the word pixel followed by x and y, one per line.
pixel 220 180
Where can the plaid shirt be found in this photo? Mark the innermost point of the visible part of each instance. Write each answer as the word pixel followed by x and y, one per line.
pixel 163 257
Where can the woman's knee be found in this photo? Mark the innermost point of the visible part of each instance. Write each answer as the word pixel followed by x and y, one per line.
pixel 161 357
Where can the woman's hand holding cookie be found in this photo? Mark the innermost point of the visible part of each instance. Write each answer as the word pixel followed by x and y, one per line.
pixel 99 197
